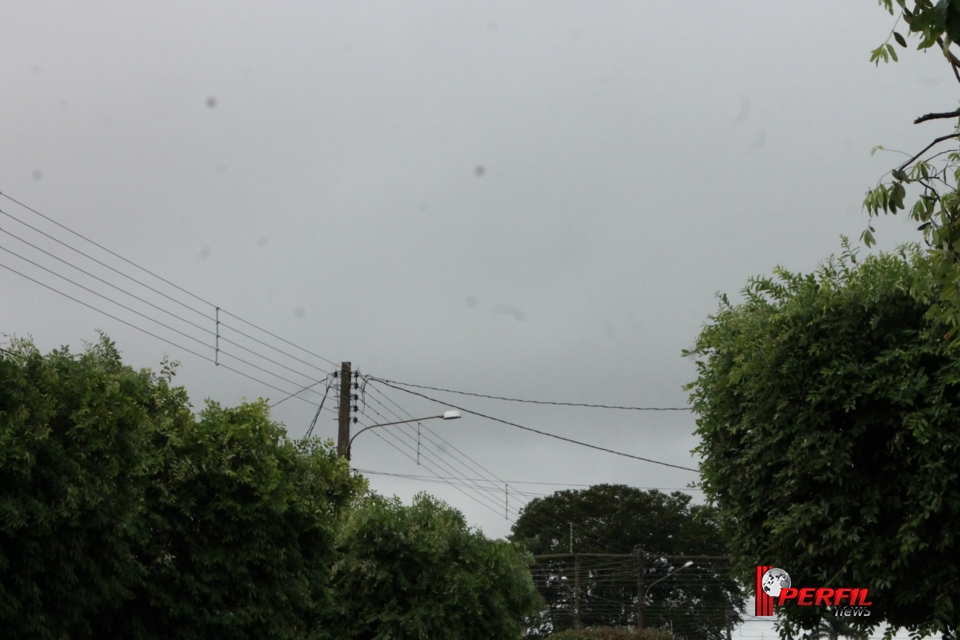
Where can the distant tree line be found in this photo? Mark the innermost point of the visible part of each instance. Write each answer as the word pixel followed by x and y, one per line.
pixel 598 550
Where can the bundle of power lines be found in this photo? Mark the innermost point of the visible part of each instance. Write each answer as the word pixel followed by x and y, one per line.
pixel 53 256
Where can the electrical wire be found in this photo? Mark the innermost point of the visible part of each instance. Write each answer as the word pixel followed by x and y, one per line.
pixel 479 491
pixel 470 464
pixel 149 333
pixel 313 423
pixel 429 468
pixel 158 292
pixel 537 431
pixel 559 404
pixel 519 482
pixel 302 389
pixel 165 326
pixel 475 464
pixel 495 490
pixel 151 273
pixel 601 541
pixel 147 302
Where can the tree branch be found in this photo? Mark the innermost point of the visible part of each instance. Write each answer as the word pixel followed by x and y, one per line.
pixel 954 61
pixel 927 148
pixel 938 116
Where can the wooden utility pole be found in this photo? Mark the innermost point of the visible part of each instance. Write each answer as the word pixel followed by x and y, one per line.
pixel 343 434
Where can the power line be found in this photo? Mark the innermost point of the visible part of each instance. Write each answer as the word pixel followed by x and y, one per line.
pixel 479 469
pixel 518 482
pixel 559 404
pixel 429 468
pixel 151 334
pixel 599 540
pixel 113 253
pixel 165 326
pixel 138 298
pixel 537 431
pixel 151 273
pixel 157 291
pixel 313 423
pixel 484 491
pixel 494 492
pixel 302 389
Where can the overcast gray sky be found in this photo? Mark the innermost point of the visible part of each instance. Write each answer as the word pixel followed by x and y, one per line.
pixel 535 199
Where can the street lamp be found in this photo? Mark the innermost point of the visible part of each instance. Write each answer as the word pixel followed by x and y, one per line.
pixel 688 563
pixel 447 415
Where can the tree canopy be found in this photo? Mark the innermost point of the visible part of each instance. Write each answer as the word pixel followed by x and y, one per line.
pixel 76 458
pixel 421 572
pixel 929 177
pixel 661 530
pixel 827 406
pixel 125 515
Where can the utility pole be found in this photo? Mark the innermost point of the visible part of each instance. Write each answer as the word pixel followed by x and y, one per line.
pixel 343 434
pixel 576 591
pixel 729 627
pixel 641 569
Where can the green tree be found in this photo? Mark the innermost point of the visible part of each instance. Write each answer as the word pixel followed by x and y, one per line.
pixel 830 627
pixel 611 633
pixel 76 456
pixel 617 519
pixel 419 572
pixel 827 409
pixel 123 515
pixel 242 525
pixel 929 178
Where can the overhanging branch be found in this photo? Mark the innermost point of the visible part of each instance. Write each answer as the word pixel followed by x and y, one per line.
pixel 938 116
pixel 954 61
pixel 927 148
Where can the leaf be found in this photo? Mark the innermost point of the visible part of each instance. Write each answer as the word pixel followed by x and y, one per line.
pixel 896 197
pixel 900 39
pixel 892 52
pixel 876 54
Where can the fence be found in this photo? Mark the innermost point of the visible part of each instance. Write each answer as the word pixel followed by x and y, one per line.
pixel 696 597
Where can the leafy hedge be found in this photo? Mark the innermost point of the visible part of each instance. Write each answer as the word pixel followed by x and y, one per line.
pixel 612 633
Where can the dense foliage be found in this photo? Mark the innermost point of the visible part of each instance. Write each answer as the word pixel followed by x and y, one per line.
pixel 661 530
pixel 76 459
pixel 242 523
pixel 125 515
pixel 420 572
pixel 828 412
pixel 611 633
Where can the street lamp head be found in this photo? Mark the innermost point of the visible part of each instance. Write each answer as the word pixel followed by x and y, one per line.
pixel 688 563
pixel 450 415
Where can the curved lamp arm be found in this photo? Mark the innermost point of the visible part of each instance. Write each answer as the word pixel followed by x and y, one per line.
pixel 689 563
pixel 447 415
